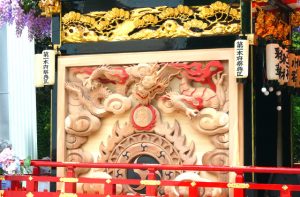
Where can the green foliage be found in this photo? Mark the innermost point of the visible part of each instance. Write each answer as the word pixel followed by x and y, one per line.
pixel 26 169
pixel 296 128
pixel 43 102
pixel 27 5
pixel 42 44
pixel 296 39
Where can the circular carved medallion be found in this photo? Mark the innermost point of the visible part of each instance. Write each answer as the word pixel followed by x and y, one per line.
pixel 144 148
pixel 142 174
pixel 143 117
pixel 127 145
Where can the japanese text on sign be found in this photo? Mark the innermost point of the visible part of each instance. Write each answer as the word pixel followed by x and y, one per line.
pixel 46 67
pixel 48 63
pixel 241 48
pixel 282 66
pixel 294 63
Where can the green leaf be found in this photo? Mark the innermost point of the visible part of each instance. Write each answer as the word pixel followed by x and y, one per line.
pixel 27 161
pixel 28 5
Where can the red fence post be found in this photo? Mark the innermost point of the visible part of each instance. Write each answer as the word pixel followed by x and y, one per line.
pixel 285 191
pixel 151 189
pixel 31 185
pixel 15 185
pixel 109 188
pixel 70 186
pixel 193 190
pixel 239 192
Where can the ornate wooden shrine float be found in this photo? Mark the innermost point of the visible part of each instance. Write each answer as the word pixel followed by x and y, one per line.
pixel 149 99
pixel 158 107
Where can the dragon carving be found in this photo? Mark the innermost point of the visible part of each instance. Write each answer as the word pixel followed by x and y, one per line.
pixel 150 81
pixel 146 89
pixel 192 99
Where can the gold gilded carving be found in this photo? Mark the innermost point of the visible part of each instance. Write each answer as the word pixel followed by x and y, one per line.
pixel 2 178
pixel 146 23
pixel 49 7
pixel 238 185
pixel 1 193
pixel 67 195
pixel 150 182
pixel 270 26
pixel 68 180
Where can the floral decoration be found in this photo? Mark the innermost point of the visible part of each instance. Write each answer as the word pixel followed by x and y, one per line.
pixel 25 13
pixel 10 163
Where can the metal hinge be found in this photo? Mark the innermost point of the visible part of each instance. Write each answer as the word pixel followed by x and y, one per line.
pixel 56 48
pixel 251 38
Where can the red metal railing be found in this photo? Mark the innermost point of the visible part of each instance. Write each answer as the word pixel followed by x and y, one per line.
pixel 151 184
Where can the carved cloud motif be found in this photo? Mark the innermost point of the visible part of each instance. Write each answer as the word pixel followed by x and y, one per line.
pixel 211 122
pixel 149 91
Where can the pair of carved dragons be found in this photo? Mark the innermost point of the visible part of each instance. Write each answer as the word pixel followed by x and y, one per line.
pixel 151 81
pixel 96 92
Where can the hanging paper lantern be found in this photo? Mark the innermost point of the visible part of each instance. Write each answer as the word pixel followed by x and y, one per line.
pixel 283 68
pixel 241 58
pixel 38 71
pixel 277 63
pixel 48 67
pixel 272 61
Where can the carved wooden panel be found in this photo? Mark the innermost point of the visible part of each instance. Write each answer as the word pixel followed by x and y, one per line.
pixel 175 107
